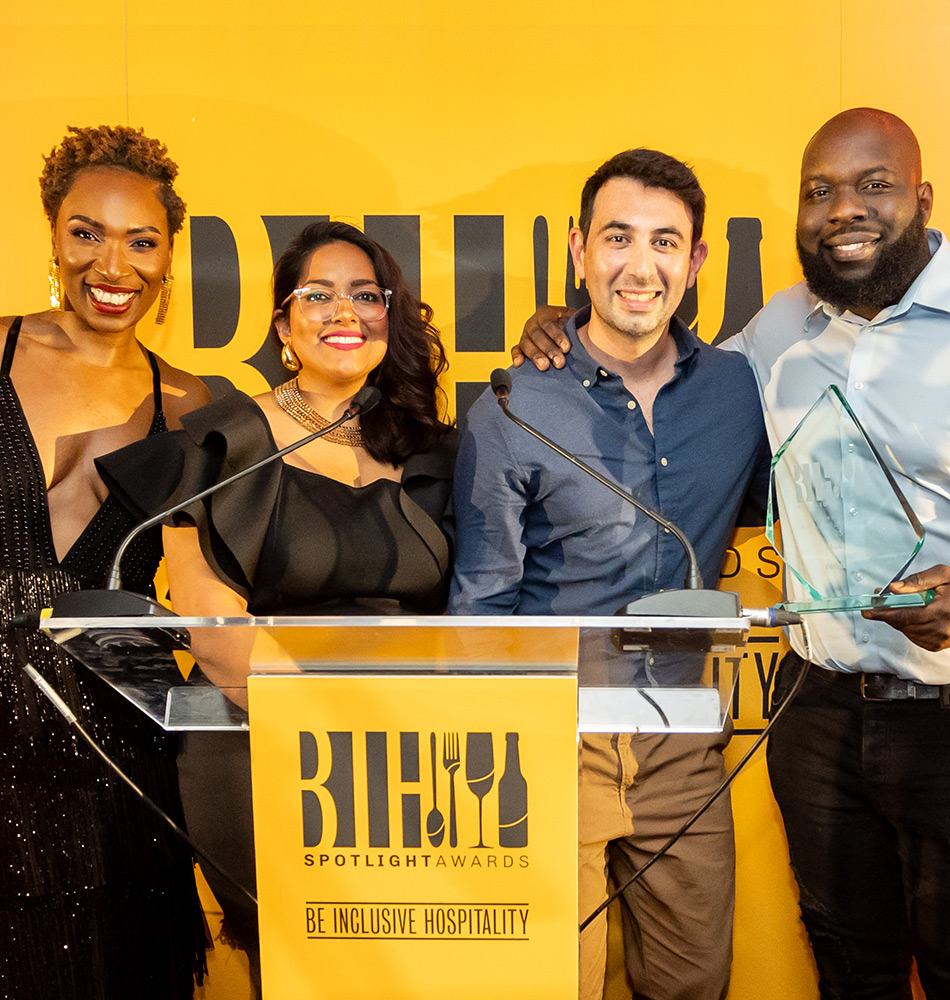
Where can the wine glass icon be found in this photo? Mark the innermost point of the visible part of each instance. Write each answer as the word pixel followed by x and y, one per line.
pixel 479 770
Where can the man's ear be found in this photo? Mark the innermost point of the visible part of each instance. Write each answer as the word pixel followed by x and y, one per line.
pixel 925 199
pixel 697 258
pixel 576 244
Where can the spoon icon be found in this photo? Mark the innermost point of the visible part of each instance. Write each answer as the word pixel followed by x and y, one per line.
pixel 435 822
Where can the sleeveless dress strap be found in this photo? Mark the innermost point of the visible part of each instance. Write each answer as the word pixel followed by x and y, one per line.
pixel 10 347
pixel 156 384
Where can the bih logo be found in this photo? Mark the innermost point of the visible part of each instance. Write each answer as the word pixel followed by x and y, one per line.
pixel 457 763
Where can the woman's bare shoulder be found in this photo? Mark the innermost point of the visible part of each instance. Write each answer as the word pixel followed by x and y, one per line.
pixel 33 324
pixel 182 392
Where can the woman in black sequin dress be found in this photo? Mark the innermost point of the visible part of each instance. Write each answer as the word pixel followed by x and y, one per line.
pixel 97 900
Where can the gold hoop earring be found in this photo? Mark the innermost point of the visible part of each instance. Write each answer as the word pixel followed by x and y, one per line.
pixel 290 360
pixel 164 299
pixel 55 285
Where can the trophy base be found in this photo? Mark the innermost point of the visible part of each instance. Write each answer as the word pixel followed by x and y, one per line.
pixel 863 602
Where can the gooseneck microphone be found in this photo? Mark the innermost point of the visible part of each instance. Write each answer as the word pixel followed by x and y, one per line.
pixel 362 402
pixel 694 601
pixel 501 386
pixel 113 600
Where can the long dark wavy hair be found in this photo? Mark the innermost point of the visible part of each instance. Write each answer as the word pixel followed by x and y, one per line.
pixel 406 421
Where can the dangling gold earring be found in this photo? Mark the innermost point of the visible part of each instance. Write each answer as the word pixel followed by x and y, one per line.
pixel 290 360
pixel 164 299
pixel 55 285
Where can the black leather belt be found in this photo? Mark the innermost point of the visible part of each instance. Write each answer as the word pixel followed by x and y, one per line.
pixel 886 687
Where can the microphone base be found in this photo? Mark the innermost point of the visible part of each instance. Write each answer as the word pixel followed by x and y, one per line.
pixel 716 604
pixel 687 604
pixel 107 604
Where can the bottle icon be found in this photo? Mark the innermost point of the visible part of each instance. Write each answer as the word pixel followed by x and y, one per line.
pixel 743 276
pixel 512 799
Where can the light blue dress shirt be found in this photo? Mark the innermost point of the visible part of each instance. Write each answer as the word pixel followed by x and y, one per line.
pixel 894 371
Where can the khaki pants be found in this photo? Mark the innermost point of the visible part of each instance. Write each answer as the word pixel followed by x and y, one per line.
pixel 634 793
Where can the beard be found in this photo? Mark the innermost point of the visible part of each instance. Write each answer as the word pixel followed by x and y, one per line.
pixel 899 263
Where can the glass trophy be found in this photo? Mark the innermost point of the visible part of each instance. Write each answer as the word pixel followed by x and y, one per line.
pixel 846 531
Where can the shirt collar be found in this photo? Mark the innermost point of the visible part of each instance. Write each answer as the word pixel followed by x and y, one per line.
pixel 930 289
pixel 588 371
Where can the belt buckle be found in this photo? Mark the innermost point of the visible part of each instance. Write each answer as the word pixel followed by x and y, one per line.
pixel 864 688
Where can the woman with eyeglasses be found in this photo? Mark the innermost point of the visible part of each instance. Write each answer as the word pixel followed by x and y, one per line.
pixel 97 897
pixel 357 522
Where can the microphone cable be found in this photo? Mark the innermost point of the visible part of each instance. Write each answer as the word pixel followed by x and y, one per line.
pixel 727 781
pixel 67 713
pixel 363 401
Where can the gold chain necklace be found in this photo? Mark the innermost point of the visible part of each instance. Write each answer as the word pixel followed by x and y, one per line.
pixel 290 400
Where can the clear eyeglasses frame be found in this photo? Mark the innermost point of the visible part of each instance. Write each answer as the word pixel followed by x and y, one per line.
pixel 370 303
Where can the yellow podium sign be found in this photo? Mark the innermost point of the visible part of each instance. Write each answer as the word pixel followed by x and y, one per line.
pixel 416 835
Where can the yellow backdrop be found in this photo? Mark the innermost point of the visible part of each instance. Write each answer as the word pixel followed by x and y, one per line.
pixel 474 120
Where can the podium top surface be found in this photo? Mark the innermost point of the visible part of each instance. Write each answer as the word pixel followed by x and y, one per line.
pixel 628 622
pixel 150 659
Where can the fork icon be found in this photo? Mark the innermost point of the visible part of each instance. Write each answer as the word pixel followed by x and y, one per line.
pixel 451 762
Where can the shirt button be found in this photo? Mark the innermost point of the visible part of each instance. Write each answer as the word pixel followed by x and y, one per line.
pixel 602 373
pixel 859 385
pixel 859 575
pixel 663 461
pixel 851 447
pixel 586 383
pixel 865 638
pixel 632 404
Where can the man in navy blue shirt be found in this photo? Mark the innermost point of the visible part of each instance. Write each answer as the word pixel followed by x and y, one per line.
pixel 678 424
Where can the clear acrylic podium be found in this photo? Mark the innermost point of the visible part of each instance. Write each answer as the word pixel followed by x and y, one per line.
pixel 415 779
pixel 646 674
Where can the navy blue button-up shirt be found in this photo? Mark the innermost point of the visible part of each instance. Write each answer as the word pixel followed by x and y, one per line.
pixel 538 536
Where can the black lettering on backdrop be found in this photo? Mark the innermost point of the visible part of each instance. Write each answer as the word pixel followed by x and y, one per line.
pixel 216 281
pixel 743 276
pixel 728 569
pixel 766 676
pixel 399 234
pixel 775 567
pixel 479 280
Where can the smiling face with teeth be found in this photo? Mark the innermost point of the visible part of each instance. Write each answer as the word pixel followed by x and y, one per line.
pixel 637 261
pixel 340 353
pixel 862 211
pixel 111 240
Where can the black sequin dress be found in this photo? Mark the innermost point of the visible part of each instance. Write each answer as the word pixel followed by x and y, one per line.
pixel 97 900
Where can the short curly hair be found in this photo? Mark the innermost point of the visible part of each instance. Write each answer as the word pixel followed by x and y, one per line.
pixel 110 146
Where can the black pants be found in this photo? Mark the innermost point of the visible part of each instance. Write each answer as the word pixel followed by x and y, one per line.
pixel 864 790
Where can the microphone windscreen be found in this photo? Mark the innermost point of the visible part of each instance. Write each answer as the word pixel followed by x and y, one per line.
pixel 500 382
pixel 366 399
